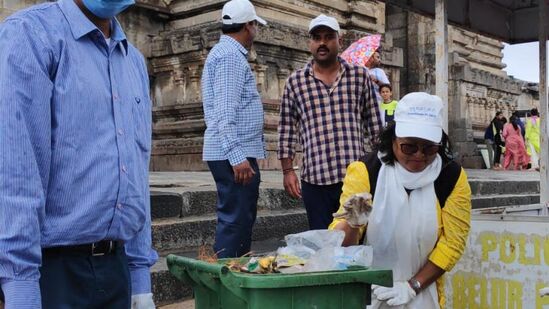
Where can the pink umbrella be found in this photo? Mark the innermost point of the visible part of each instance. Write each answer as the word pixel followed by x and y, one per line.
pixel 360 51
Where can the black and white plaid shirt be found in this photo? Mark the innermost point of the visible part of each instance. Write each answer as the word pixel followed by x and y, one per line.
pixel 329 121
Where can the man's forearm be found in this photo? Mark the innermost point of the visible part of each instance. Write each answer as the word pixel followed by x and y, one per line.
pixel 286 163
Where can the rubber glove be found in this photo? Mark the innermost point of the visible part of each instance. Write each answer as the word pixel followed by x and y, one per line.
pixel 357 209
pixel 400 294
pixel 143 301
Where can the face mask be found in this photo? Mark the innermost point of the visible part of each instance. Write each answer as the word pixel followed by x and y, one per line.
pixel 107 8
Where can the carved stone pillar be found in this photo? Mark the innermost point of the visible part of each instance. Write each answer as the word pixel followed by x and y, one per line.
pixel 194 93
pixel 260 77
pixel 282 75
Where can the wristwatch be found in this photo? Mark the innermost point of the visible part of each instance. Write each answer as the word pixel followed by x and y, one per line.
pixel 415 285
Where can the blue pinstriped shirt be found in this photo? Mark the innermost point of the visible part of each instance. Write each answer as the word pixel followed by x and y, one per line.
pixel 75 138
pixel 232 107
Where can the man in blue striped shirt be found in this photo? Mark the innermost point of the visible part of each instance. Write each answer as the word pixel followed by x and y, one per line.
pixel 75 132
pixel 234 128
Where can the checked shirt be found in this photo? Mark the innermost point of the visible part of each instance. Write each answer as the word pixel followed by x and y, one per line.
pixel 331 122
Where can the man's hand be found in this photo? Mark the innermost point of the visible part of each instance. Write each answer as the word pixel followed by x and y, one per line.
pixel 357 210
pixel 291 184
pixel 243 173
pixel 400 294
pixel 143 301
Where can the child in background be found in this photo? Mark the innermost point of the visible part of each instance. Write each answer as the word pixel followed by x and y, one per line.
pixel 388 106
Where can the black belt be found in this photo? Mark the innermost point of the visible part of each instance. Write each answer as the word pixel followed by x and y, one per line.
pixel 94 249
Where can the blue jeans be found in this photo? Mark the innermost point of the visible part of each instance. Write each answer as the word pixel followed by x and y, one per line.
pixel 236 209
pixel 321 201
pixel 83 281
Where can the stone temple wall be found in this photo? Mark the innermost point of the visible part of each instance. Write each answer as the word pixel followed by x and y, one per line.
pixel 478 87
pixel 176 35
pixel 179 52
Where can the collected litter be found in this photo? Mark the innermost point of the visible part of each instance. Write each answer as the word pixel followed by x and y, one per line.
pixel 311 251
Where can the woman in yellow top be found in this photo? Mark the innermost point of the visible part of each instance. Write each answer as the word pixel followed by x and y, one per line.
pixel 532 137
pixel 408 228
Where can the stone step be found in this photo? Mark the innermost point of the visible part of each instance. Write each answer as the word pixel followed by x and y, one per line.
pixel 489 187
pixel 181 203
pixel 178 234
pixel 500 200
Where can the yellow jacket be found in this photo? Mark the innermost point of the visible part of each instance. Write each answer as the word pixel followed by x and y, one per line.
pixel 532 134
pixel 453 219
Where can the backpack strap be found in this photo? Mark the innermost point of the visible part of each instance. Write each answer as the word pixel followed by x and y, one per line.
pixel 446 181
pixel 444 184
pixel 373 165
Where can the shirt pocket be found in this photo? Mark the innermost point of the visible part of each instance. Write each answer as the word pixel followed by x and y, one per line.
pixel 141 111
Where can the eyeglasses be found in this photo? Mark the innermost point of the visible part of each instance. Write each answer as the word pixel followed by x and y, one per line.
pixel 428 150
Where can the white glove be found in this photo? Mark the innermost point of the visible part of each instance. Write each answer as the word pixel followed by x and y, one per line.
pixel 544 292
pixel 400 294
pixel 143 301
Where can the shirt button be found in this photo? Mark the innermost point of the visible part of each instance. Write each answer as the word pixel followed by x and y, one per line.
pixel 124 168
pixel 120 132
pixel 119 206
pixel 114 96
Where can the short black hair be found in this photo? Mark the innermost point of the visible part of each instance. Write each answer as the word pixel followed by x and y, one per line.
pixel 386 86
pixel 232 28
pixel 534 112
pixel 388 135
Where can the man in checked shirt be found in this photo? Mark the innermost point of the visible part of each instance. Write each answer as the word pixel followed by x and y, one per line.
pixel 328 106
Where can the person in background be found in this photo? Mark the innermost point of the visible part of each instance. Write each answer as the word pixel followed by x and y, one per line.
pixel 377 75
pixel 421 211
pixel 75 130
pixel 329 107
pixel 233 140
pixel 388 105
pixel 497 128
pixel 519 123
pixel 533 138
pixel 515 149
pixel 489 141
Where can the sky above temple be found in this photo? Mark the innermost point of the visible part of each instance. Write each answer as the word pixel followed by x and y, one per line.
pixel 522 61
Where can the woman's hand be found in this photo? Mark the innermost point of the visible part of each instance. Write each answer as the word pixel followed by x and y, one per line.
pixel 400 294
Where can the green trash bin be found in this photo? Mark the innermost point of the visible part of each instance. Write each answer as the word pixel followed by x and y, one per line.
pixel 216 287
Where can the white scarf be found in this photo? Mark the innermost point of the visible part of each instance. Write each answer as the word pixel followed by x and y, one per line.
pixel 402 228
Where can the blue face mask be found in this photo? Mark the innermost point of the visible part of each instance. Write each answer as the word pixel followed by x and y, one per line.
pixel 107 8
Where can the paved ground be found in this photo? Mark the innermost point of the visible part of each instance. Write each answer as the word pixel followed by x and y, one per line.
pixel 188 304
pixel 273 179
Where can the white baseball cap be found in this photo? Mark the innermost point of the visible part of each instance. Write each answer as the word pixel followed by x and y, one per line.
pixel 323 20
pixel 419 114
pixel 239 12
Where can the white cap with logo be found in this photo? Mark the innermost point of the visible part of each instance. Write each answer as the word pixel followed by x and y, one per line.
pixel 419 114
pixel 239 12
pixel 323 20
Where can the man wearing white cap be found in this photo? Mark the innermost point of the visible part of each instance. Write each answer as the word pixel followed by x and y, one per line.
pixel 234 128
pixel 328 106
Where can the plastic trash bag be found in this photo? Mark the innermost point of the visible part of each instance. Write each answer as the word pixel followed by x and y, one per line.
pixel 321 250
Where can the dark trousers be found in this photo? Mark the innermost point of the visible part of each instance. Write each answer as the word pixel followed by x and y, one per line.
pixel 236 209
pixel 497 153
pixel 320 202
pixel 71 281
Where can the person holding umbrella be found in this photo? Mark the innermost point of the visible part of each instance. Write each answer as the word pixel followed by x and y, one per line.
pixel 366 52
